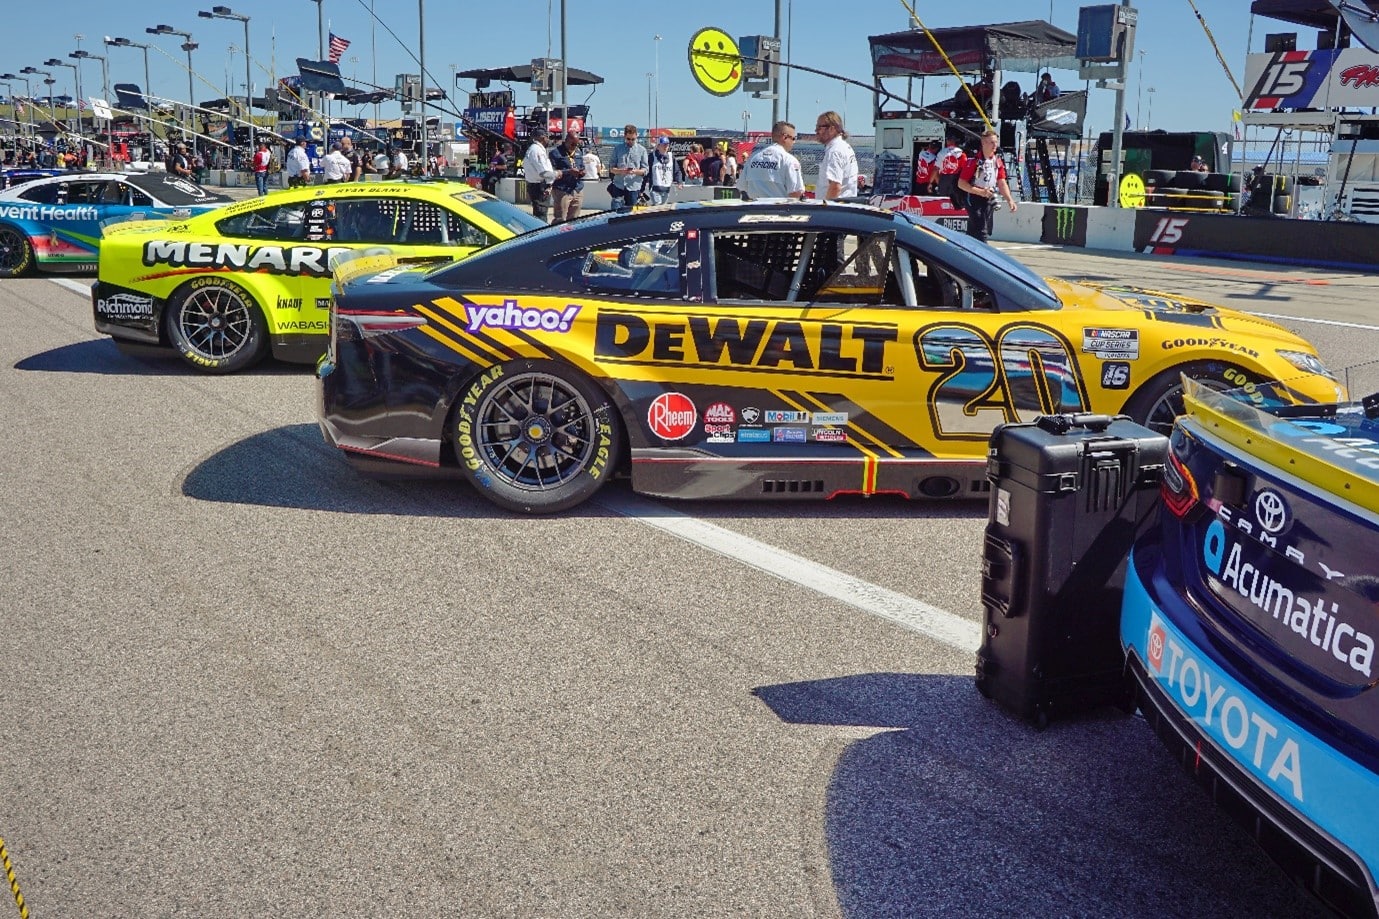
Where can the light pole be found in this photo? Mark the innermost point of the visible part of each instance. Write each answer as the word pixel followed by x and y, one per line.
pixel 1149 119
pixel 421 65
pixel 54 62
pixel 1139 92
pixel 649 123
pixel 105 91
pixel 148 90
pixel 321 100
pixel 224 12
pixel 656 39
pixel 188 46
pixel 48 79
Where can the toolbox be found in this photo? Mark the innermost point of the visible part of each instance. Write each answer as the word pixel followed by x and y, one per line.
pixel 1069 493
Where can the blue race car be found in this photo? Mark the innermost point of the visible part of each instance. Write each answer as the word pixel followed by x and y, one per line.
pixel 1250 619
pixel 54 223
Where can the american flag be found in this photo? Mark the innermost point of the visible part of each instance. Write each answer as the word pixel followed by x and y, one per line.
pixel 337 47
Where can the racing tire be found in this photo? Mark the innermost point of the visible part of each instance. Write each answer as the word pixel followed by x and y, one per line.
pixel 1159 400
pixel 1159 177
pixel 1283 185
pixel 1283 204
pixel 535 436
pixel 16 252
pixel 1190 178
pixel 216 326
pixel 1180 198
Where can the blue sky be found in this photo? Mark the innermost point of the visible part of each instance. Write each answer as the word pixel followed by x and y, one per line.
pixel 616 39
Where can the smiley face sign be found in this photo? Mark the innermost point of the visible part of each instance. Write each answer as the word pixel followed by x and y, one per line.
pixel 715 61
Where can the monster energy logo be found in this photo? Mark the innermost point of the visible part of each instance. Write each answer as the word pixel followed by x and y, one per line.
pixel 1065 219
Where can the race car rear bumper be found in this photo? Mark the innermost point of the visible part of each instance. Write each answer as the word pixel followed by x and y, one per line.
pixel 125 314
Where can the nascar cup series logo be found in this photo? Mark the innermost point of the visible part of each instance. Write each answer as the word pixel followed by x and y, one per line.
pixel 672 416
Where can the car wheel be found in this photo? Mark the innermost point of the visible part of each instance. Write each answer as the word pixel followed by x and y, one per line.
pixel 216 326
pixel 16 252
pixel 536 437
pixel 1160 400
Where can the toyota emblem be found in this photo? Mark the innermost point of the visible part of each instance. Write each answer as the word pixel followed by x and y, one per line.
pixel 1271 511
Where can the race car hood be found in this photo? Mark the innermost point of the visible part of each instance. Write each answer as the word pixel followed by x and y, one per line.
pixel 1172 308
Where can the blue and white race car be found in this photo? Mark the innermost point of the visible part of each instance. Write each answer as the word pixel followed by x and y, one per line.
pixel 54 223
pixel 1250 619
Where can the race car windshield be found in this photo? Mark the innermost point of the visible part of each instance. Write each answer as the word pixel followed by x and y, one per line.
pixel 508 216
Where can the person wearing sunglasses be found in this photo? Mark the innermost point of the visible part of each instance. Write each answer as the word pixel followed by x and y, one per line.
pixel 772 170
pixel 838 165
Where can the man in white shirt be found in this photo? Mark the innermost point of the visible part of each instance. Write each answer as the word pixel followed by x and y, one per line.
pixel 335 165
pixel 398 166
pixel 838 166
pixel 298 165
pixel 539 173
pixel 772 171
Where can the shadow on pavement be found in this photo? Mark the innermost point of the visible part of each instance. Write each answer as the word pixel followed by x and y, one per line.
pixel 104 356
pixel 1088 818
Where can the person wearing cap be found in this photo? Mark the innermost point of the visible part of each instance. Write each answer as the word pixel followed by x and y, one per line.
pixel 568 188
pixel 298 165
pixel 335 166
pixel 178 164
pixel 539 173
pixel 663 171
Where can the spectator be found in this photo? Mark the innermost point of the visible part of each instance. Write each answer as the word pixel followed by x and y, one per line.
pixel 178 164
pixel 398 167
pixel 628 167
pixel 261 160
pixel 1045 89
pixel 381 161
pixel 498 167
pixel 838 165
pixel 298 165
pixel 948 168
pixel 711 165
pixel 772 170
pixel 689 166
pixel 665 171
pixel 568 187
pixel 593 166
pixel 355 160
pixel 537 170
pixel 982 176
pixel 730 167
pixel 335 166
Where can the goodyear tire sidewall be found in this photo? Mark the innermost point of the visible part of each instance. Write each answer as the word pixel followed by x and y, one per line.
pixel 254 346
pixel 474 461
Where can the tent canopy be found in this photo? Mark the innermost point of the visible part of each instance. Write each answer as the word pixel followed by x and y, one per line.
pixel 521 73
pixel 1312 14
pixel 1022 47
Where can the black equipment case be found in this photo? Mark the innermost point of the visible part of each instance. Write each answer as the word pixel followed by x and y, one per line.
pixel 1068 495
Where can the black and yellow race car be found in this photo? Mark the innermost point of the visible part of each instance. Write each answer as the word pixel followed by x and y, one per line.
pixel 779 350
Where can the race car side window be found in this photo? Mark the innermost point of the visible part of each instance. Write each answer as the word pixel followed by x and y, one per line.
pixel 851 269
pixel 281 222
pixel 369 220
pixel 84 192
pixel 642 268
pixel 760 265
pixel 47 193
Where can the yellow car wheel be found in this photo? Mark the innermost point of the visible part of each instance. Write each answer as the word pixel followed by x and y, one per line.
pixel 216 326
pixel 1160 400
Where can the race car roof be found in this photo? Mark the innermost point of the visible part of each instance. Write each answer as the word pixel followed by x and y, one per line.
pixel 1022 47
pixel 174 190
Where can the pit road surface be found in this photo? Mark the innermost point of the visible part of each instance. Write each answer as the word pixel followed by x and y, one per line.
pixel 242 679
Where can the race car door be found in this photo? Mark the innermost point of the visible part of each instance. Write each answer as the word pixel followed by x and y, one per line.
pixel 65 229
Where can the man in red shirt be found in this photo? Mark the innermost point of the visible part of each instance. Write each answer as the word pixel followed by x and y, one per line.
pixel 948 167
pixel 926 169
pixel 982 177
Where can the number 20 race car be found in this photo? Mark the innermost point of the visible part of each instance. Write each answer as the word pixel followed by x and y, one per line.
pixel 777 350
pixel 1250 619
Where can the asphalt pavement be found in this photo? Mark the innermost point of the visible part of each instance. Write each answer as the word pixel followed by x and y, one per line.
pixel 243 679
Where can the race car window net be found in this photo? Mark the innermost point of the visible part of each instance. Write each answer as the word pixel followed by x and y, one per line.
pixel 275 221
pixel 831 267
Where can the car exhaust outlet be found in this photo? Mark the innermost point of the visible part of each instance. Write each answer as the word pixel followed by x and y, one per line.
pixel 939 486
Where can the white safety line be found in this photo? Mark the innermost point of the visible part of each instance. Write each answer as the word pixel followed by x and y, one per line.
pixel 74 286
pixel 930 621
pixel 1344 325
pixel 1012 248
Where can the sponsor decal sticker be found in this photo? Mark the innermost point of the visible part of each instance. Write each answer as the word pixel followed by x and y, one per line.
pixel 672 416
pixel 719 413
pixel 311 261
pixel 751 415
pixel 789 435
pixel 830 418
pixel 1214 343
pixel 1115 375
pixel 125 306
pixel 776 416
pixel 830 435
pixel 513 317
pixel 753 435
pixel 1112 343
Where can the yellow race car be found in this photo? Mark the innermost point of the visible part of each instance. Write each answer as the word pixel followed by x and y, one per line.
pixel 227 287
pixel 775 350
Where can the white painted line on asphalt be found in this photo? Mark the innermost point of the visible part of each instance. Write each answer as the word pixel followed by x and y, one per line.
pixel 930 621
pixel 74 286
pixel 1029 246
pixel 1344 325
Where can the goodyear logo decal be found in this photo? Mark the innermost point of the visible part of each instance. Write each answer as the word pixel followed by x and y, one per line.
pixel 761 345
